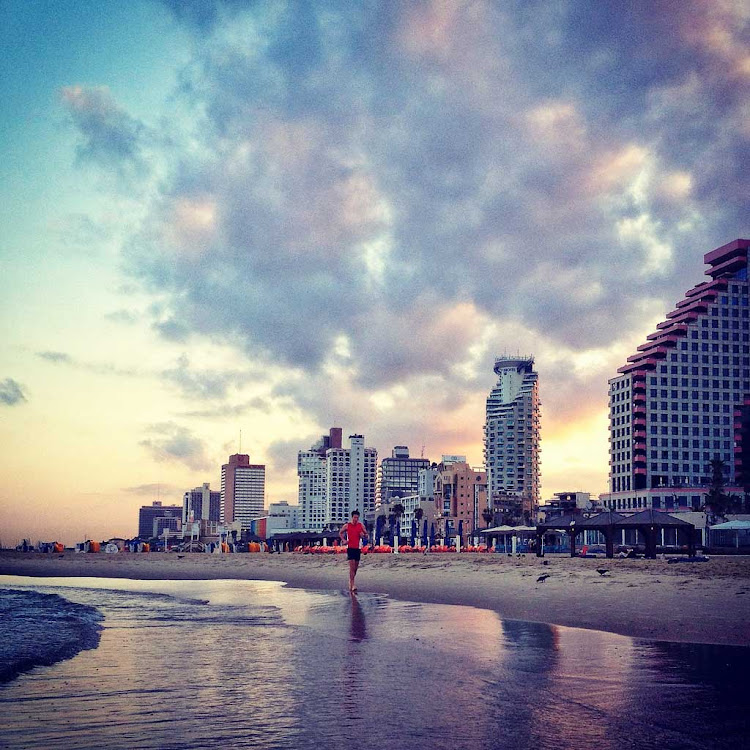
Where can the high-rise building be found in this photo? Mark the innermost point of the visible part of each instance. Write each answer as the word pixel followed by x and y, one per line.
pixel 511 432
pixel 311 470
pixel 243 490
pixel 350 480
pixel 398 476
pixel 334 480
pixel 201 504
pixel 150 513
pixel 677 405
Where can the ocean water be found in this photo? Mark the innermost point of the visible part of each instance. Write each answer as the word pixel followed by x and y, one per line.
pixel 243 664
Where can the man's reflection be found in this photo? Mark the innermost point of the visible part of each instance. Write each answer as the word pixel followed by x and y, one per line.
pixel 358 625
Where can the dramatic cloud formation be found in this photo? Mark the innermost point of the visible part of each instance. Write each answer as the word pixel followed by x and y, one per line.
pixel 172 442
pixel 373 201
pixel 11 392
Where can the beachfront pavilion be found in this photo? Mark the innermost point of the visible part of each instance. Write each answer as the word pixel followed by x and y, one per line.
pixel 648 524
pixel 574 523
pixel 499 535
pixel 734 534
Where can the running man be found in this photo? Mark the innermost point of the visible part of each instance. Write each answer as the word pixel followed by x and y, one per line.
pixel 353 532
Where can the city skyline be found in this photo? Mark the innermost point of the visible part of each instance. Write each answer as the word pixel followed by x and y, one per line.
pixel 223 216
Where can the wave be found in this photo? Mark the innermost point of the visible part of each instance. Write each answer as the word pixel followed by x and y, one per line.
pixel 41 629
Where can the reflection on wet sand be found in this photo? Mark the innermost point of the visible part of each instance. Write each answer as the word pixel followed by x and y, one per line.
pixel 247 664
pixel 358 624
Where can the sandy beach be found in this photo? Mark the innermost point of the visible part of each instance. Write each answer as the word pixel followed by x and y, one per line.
pixel 696 603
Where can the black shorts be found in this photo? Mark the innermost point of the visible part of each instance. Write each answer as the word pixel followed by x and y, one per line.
pixel 353 553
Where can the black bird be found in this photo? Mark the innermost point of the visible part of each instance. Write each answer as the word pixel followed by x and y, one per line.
pixel 179 557
pixel 602 571
pixel 546 562
pixel 542 578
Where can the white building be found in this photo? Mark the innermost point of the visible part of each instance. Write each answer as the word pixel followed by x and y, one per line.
pixel 311 471
pixel 350 480
pixel 285 516
pixel 680 402
pixel 334 480
pixel 511 431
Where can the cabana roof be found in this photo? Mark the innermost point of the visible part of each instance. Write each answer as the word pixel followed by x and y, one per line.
pixel 509 530
pixel 600 520
pixel 732 526
pixel 651 517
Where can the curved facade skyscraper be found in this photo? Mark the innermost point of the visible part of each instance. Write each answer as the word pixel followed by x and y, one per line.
pixel 681 401
pixel 511 432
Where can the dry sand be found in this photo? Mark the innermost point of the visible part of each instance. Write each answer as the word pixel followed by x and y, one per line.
pixel 692 602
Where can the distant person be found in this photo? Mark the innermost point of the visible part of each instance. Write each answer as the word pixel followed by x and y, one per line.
pixel 353 533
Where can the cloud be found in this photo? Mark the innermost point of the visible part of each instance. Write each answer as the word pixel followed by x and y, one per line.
pixel 379 198
pixel 110 136
pixel 154 489
pixel 204 384
pixel 11 392
pixel 61 357
pixel 173 443
pixel 98 368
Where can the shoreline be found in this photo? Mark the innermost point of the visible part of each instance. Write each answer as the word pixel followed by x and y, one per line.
pixel 651 599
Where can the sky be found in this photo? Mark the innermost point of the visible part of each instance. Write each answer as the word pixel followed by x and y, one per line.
pixel 230 225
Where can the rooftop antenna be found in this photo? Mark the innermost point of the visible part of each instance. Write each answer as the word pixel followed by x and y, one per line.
pixel 422 454
pixel 240 450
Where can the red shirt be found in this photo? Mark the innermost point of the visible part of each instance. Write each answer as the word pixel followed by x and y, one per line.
pixel 354 532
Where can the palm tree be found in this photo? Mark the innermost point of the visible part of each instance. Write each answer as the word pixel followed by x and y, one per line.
pixel 398 511
pixel 418 514
pixel 717 499
pixel 487 516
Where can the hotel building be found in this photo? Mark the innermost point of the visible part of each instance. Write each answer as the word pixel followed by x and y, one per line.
pixel 334 480
pixel 681 400
pixel 150 515
pixel 201 504
pixel 243 490
pixel 511 432
pixel 398 476
pixel 350 480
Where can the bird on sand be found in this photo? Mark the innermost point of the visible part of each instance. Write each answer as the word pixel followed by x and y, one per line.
pixel 179 557
pixel 602 571
pixel 542 578
pixel 546 562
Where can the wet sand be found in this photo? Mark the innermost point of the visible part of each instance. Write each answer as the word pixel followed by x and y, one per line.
pixel 688 602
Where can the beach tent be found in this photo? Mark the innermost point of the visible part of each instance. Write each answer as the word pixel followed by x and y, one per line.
pixel 505 532
pixel 730 534
pixel 648 523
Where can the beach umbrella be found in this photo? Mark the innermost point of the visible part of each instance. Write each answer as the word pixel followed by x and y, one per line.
pixel 461 531
pixel 424 533
pixel 432 534
pixel 413 532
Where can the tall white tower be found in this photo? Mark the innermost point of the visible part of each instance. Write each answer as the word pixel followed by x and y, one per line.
pixel 511 431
